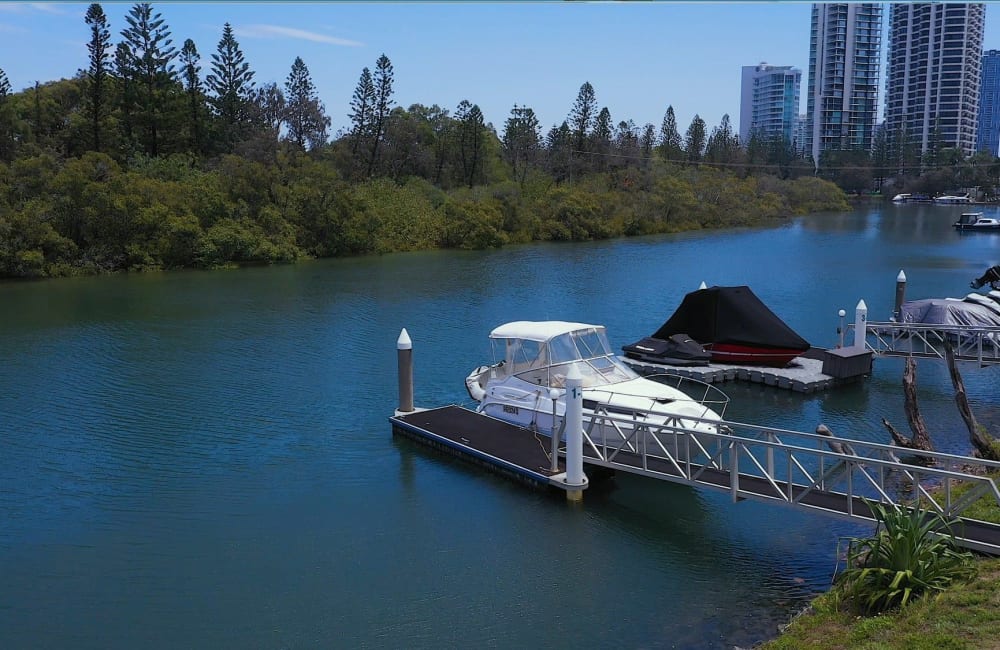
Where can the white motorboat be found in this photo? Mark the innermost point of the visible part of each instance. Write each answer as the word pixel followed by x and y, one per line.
pixel 526 386
pixel 976 221
pixel 951 199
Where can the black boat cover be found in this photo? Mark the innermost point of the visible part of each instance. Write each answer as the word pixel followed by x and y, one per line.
pixel 730 315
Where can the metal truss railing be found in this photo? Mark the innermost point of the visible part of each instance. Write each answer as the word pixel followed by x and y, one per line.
pixel 979 344
pixel 805 470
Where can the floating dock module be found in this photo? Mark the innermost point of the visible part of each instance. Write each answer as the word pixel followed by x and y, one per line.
pixel 500 446
pixel 805 374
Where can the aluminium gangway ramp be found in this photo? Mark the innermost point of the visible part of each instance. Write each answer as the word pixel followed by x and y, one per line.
pixel 831 475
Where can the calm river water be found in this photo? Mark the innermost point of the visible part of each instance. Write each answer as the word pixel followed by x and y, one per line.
pixel 204 459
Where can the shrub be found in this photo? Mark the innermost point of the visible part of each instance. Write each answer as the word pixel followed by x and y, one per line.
pixel 911 554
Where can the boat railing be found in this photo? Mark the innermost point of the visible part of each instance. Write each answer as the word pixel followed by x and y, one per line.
pixel 698 392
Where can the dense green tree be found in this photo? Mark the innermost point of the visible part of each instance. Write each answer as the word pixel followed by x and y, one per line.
pixel 694 140
pixel 152 73
pixel 230 85
pixel 97 74
pixel 306 115
pixel 670 145
pixel 521 141
pixel 647 141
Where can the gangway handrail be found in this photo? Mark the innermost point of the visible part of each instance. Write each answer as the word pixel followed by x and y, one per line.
pixel 807 474
pixel 980 343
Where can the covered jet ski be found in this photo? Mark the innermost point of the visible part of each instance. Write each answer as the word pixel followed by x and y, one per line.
pixel 676 350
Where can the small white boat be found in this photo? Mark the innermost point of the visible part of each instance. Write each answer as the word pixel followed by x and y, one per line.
pixel 901 198
pixel 526 386
pixel 976 221
pixel 951 199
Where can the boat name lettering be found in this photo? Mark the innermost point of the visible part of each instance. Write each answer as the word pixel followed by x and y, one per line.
pixel 510 409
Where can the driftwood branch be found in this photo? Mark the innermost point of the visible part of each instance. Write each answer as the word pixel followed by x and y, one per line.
pixel 921 438
pixel 981 440
pixel 835 447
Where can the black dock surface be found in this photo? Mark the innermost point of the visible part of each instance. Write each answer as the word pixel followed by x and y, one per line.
pixel 502 445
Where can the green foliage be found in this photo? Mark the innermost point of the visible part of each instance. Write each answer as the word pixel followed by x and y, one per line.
pixel 910 555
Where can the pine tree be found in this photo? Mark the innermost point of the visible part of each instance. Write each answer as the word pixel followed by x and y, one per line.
pixel 382 106
pixel 97 74
pixel 471 129
pixel 362 105
pixel 190 71
pixel 521 140
pixel 670 145
pixel 230 84
pixel 582 116
pixel 694 139
pixel 6 119
pixel 148 40
pixel 305 116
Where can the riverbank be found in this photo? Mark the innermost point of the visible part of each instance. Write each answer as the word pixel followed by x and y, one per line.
pixel 966 616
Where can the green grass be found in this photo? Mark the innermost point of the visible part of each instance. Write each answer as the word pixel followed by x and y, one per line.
pixel 984 509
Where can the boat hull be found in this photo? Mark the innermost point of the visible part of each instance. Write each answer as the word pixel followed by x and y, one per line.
pixel 747 355
pixel 654 438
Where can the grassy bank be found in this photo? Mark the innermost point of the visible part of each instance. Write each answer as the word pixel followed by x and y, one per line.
pixel 966 616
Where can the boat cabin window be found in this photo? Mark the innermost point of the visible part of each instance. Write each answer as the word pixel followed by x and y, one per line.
pixel 546 364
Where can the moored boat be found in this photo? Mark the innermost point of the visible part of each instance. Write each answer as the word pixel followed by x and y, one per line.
pixel 732 325
pixel 526 386
pixel 952 199
pixel 976 221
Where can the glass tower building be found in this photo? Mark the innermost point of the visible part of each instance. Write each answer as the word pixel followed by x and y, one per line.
pixel 769 101
pixel 933 80
pixel 845 48
pixel 988 134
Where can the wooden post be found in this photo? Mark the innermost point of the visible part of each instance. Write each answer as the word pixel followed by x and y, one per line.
pixel 404 362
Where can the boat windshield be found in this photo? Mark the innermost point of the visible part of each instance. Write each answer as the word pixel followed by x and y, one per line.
pixel 546 364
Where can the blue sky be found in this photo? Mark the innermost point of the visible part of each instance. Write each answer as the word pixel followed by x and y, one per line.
pixel 639 56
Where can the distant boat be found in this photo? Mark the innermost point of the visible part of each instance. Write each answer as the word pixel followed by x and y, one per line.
pixel 976 221
pixel 952 199
pixel 911 198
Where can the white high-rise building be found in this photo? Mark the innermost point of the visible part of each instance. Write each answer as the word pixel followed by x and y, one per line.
pixel 934 75
pixel 844 60
pixel 769 101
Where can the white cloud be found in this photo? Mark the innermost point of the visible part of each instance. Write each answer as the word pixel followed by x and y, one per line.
pixel 45 7
pixel 276 31
pixel 26 7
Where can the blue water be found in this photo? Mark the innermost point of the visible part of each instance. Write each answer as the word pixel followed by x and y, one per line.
pixel 203 459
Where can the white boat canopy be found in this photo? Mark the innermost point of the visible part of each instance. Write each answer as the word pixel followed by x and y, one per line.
pixel 540 331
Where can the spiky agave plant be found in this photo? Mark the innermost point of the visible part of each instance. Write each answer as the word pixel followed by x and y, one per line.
pixel 910 554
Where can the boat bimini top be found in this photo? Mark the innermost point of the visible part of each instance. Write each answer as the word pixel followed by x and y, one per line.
pixel 542 352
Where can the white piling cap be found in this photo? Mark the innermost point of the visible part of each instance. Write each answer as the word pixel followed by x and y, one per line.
pixel 702 285
pixel 404 342
pixel 862 305
pixel 573 373
pixel 842 313
pixel 901 277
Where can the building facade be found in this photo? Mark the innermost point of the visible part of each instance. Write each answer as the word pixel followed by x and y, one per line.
pixel 769 101
pixel 988 131
pixel 934 75
pixel 845 48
